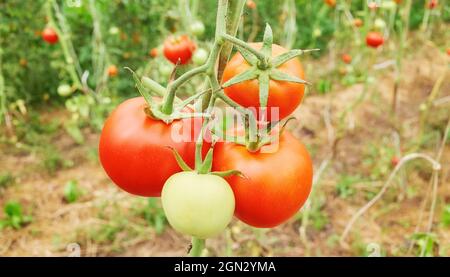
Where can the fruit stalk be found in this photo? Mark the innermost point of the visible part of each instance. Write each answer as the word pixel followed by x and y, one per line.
pixel 197 247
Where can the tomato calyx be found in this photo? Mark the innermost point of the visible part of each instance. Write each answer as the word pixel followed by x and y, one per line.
pixel 150 89
pixel 263 135
pixel 205 166
pixel 263 67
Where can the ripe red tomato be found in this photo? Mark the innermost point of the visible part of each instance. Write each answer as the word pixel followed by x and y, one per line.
pixel 180 47
pixel 276 185
pixel 331 3
pixel 374 39
pixel 133 148
pixel 346 58
pixel 284 95
pixel 394 161
pixel 432 4
pixel 251 4
pixel 154 52
pixel 112 71
pixel 448 51
pixel 357 22
pixel 49 35
pixel 398 2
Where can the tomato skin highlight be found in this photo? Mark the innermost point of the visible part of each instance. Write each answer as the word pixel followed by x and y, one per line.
pixel 374 39
pixel 199 205
pixel 181 48
pixel 276 185
pixel 285 95
pixel 134 151
pixel 50 36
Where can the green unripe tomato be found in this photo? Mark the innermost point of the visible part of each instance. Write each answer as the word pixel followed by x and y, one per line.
pixel 199 205
pixel 379 24
pixel 114 30
pixel 317 32
pixel 200 56
pixel 197 28
pixel 165 70
pixel 388 5
pixel 64 90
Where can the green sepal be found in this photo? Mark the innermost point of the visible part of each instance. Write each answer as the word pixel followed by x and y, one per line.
pixel 267 41
pixel 206 166
pixel 181 163
pixel 248 57
pixel 281 59
pixel 141 89
pixel 247 75
pixel 279 75
pixel 153 86
pixel 228 173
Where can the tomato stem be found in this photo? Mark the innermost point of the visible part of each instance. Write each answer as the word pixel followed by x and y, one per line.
pixel 169 97
pixel 197 247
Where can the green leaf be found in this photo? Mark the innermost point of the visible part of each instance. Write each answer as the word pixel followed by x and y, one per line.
pixel 71 191
pixel 247 75
pixel 279 75
pixel 74 131
pixel 445 218
pixel 13 209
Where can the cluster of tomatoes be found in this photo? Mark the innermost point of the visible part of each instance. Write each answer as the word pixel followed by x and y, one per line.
pixel 182 49
pixel 136 151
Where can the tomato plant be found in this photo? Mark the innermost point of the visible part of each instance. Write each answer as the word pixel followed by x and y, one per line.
pixel 374 39
pixel 179 48
pixel 50 36
pixel 276 185
pixel 130 157
pixel 199 205
pixel 284 95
